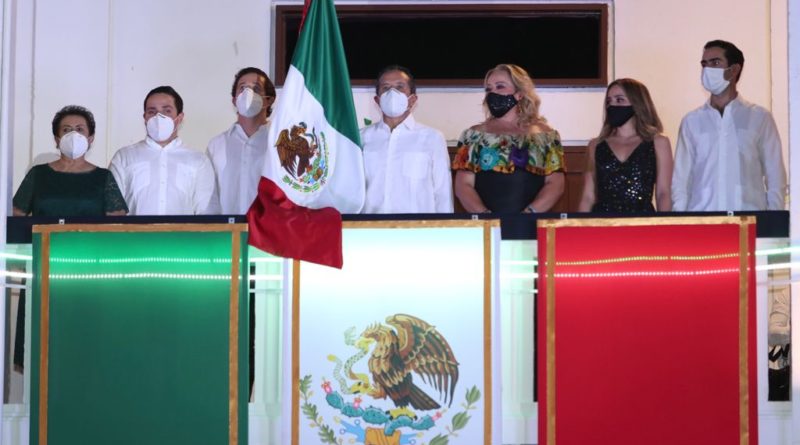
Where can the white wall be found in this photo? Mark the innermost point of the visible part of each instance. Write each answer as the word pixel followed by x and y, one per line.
pixel 106 55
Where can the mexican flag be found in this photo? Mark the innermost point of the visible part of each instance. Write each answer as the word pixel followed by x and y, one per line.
pixel 314 168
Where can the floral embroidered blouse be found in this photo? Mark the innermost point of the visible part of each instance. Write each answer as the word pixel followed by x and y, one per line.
pixel 539 153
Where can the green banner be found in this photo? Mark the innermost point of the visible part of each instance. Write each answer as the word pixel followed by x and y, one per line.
pixel 142 339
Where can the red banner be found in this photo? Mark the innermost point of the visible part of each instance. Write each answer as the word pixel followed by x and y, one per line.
pixel 646 331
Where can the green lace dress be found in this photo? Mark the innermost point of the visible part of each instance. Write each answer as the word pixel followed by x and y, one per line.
pixel 47 192
pixel 509 169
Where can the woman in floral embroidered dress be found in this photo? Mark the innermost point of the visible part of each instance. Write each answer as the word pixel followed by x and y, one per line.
pixel 513 161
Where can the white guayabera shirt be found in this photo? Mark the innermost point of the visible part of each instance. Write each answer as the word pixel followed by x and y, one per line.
pixel 238 161
pixel 407 169
pixel 173 180
pixel 731 161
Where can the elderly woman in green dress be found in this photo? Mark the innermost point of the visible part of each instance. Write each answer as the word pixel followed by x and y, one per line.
pixel 71 185
pixel 513 161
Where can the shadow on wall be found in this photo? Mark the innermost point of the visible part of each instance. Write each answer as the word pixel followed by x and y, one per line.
pixel 44 158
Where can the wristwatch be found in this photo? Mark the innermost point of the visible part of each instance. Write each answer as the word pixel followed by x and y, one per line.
pixel 529 209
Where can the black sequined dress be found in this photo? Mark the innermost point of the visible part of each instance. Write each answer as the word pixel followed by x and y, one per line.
pixel 625 186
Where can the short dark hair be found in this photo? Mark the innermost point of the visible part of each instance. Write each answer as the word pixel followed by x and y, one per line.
pixel 73 110
pixel 732 54
pixel 168 90
pixel 412 84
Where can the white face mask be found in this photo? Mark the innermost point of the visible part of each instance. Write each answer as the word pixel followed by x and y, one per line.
pixel 73 145
pixel 248 103
pixel 714 80
pixel 160 127
pixel 393 103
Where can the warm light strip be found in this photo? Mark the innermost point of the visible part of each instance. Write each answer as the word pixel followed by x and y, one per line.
pixel 142 275
pixel 688 273
pixel 648 258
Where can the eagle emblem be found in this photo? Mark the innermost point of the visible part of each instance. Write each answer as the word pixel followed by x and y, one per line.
pixel 412 347
pixel 304 157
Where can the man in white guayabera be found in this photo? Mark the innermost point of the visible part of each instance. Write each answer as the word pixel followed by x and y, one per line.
pixel 237 154
pixel 728 155
pixel 159 175
pixel 406 163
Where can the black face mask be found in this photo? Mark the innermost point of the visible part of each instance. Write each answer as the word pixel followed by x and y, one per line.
pixel 499 105
pixel 617 116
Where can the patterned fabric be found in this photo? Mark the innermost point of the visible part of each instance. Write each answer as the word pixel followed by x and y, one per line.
pixel 625 186
pixel 539 153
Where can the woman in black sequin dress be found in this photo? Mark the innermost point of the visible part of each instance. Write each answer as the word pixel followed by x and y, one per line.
pixel 630 159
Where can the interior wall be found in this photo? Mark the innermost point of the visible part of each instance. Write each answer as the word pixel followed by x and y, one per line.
pixel 106 55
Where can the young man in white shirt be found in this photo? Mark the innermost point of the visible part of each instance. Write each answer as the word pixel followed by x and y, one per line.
pixel 728 155
pixel 159 175
pixel 238 153
pixel 406 163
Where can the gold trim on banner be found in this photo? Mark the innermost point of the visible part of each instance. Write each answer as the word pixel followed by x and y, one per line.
pixel 744 389
pixel 487 332
pixel 233 341
pixel 551 333
pixel 420 224
pixel 653 221
pixel 44 337
pixel 295 352
pixel 216 227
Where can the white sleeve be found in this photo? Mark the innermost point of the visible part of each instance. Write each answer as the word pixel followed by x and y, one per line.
pixel 119 170
pixel 681 173
pixel 442 175
pixel 772 161
pixel 206 196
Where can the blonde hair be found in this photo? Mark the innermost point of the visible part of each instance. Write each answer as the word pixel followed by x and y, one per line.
pixel 528 105
pixel 648 125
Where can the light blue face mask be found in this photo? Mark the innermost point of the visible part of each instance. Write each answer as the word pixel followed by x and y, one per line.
pixel 714 80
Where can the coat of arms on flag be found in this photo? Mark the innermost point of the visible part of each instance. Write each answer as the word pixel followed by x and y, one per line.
pixel 314 168
pixel 304 156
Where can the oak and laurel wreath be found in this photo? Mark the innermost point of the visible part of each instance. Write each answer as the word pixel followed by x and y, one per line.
pixel 328 436
pixel 326 433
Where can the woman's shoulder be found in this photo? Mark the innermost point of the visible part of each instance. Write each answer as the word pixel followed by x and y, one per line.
pixel 660 139
pixel 661 143
pixel 541 127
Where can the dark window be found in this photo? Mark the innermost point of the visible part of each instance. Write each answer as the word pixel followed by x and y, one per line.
pixel 454 45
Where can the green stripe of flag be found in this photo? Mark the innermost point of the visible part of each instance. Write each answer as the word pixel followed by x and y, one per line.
pixel 319 56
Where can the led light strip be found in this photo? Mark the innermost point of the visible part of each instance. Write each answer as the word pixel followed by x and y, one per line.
pixel 142 275
pixel 688 273
pixel 648 258
pixel 140 260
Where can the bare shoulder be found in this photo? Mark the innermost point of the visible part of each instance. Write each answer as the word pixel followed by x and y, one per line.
pixel 661 141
